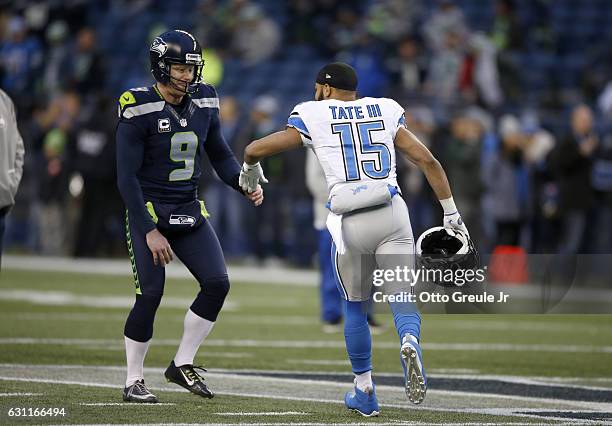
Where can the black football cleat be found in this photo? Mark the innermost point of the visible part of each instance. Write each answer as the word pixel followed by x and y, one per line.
pixel 138 392
pixel 187 377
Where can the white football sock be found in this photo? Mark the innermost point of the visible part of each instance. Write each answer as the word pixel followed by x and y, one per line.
pixel 135 353
pixel 363 381
pixel 195 331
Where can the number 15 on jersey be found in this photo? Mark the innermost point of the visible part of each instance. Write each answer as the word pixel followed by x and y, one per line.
pixel 356 160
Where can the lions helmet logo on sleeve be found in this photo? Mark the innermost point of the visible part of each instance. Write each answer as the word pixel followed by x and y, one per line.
pixel 159 46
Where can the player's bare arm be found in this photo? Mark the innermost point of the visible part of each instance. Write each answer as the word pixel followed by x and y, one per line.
pixel 421 156
pixel 272 144
pixel 418 154
pixel 257 150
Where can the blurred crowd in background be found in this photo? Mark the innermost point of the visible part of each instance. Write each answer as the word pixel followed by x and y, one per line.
pixel 513 97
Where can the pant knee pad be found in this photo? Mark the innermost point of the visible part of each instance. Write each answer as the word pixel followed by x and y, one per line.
pixel 209 300
pixel 139 324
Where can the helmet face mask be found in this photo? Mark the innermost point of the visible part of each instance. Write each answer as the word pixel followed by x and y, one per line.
pixel 176 47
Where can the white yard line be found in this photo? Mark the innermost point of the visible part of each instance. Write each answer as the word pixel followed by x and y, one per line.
pixel 10 394
pixel 495 411
pixel 301 344
pixel 522 326
pixel 297 424
pixel 233 374
pixel 66 298
pixel 319 362
pixel 120 267
pixel 528 380
pixel 281 321
pixel 110 404
pixel 327 424
pixel 264 413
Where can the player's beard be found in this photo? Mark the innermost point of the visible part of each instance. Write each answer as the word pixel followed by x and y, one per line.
pixel 318 95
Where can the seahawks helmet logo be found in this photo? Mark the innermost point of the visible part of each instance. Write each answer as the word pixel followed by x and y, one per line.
pixel 159 46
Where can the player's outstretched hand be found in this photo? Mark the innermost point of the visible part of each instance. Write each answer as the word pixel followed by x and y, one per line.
pixel 256 196
pixel 250 176
pixel 160 248
pixel 454 221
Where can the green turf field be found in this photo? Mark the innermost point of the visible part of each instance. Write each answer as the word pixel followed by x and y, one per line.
pixel 269 361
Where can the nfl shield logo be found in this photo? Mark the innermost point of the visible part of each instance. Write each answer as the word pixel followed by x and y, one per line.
pixel 183 122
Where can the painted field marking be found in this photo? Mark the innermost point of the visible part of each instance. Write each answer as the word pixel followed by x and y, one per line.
pixel 66 298
pixel 116 267
pixel 496 411
pixel 10 394
pixel 338 344
pixel 265 413
pixel 109 404
pixel 319 362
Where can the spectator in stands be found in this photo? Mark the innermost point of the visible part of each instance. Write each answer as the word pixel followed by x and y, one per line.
pixel 92 155
pixel 506 32
pixel 226 207
pixel 258 37
pixel 462 165
pixel 572 162
pixel 543 191
pixel 57 51
pixel 55 124
pixel 300 28
pixel 408 69
pixel 22 58
pixel 313 22
pixel 602 183
pixel 480 74
pixel 344 32
pixel 420 199
pixel 506 35
pixel 82 69
pixel 365 57
pixel 267 226
pixel 445 67
pixel 446 18
pixel 391 20
pixel 506 180
pixel 540 26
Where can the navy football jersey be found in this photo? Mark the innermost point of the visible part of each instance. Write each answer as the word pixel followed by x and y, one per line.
pixel 160 147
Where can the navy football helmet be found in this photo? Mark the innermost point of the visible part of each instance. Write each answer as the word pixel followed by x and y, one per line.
pixel 176 47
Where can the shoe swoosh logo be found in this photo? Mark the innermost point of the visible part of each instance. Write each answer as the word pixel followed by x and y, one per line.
pixel 189 381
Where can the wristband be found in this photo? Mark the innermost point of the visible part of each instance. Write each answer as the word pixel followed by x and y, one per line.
pixel 448 205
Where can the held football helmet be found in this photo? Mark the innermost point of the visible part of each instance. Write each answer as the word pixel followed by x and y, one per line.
pixel 446 249
pixel 176 47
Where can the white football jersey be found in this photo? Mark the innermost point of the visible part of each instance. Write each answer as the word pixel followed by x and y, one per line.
pixel 353 140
